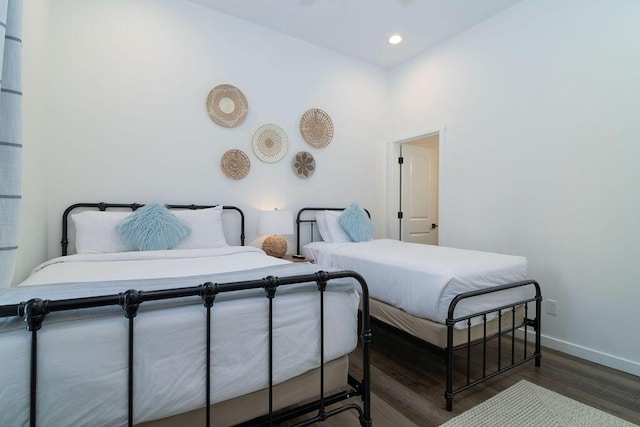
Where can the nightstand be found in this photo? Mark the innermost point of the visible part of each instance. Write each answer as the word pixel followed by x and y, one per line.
pixel 291 258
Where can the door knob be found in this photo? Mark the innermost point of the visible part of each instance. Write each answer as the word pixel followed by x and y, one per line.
pixel 434 226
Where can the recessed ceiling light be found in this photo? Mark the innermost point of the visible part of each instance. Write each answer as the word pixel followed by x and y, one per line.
pixel 395 39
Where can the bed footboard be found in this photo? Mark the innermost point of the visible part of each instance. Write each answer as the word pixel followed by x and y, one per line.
pixel 517 353
pixel 35 311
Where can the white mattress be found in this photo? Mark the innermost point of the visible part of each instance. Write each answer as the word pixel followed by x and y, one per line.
pixel 82 377
pixel 423 279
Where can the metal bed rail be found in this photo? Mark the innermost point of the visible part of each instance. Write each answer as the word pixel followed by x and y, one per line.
pixel 509 330
pixel 35 311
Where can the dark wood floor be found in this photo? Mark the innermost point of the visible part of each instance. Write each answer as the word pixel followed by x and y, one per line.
pixel 407 385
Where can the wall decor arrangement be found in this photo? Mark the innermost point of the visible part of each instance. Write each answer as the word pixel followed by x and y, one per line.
pixel 227 106
pixel 270 143
pixel 235 164
pixel 316 128
pixel 304 165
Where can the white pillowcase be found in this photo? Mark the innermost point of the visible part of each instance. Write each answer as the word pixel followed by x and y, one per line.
pixel 321 222
pixel 96 232
pixel 206 228
pixel 337 233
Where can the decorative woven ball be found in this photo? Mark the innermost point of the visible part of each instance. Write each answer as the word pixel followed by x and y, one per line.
pixel 275 246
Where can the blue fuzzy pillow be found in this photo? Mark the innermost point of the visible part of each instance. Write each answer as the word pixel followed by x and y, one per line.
pixel 153 228
pixel 356 223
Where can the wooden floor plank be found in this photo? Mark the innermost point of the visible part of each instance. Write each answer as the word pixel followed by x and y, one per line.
pixel 408 382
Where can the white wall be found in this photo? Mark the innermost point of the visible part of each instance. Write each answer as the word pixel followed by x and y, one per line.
pixel 541 106
pixel 123 112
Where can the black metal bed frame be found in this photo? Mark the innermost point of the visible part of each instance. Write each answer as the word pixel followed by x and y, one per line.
pixel 511 330
pixel 466 347
pixel 102 206
pixel 34 312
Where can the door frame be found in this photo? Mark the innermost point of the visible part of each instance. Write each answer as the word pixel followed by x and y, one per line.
pixel 393 186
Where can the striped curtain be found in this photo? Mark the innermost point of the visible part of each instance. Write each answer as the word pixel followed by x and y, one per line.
pixel 10 134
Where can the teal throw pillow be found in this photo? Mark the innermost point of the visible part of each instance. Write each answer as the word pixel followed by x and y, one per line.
pixel 356 223
pixel 152 228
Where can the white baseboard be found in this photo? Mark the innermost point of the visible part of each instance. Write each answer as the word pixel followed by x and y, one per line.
pixel 589 354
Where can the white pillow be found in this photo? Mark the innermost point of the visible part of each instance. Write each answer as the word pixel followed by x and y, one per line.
pixel 321 222
pixel 206 228
pixel 337 233
pixel 96 232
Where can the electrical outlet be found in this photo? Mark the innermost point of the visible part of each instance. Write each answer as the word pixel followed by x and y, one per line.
pixel 552 307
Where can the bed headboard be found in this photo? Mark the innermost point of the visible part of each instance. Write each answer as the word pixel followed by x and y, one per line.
pixel 308 215
pixel 133 206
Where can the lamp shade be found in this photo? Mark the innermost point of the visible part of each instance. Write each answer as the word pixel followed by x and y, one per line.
pixel 275 223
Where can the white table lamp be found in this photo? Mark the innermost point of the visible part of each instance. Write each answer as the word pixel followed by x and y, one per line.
pixel 274 224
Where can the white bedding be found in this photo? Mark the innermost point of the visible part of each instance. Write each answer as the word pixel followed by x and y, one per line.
pixel 423 279
pixel 148 264
pixel 82 375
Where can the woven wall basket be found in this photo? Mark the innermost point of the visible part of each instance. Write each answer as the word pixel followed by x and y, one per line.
pixel 316 128
pixel 227 106
pixel 304 165
pixel 235 164
pixel 270 143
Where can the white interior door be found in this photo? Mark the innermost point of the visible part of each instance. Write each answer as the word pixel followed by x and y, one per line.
pixel 420 191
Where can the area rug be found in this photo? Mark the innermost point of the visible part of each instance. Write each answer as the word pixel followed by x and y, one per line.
pixel 526 404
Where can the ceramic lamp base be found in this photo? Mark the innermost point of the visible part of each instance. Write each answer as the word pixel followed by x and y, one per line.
pixel 275 246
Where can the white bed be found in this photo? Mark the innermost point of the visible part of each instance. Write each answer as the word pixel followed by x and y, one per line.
pixel 82 364
pixel 451 299
pixel 422 280
pixel 83 371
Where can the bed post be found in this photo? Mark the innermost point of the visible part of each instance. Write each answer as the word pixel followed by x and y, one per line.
pixel 537 325
pixel 208 294
pixel 298 231
pixel 130 302
pixel 33 312
pixel 365 334
pixel 270 292
pixel 365 421
pixel 448 394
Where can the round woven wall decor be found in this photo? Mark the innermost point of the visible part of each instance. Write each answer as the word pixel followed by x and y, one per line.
pixel 227 106
pixel 270 143
pixel 316 128
pixel 235 164
pixel 304 165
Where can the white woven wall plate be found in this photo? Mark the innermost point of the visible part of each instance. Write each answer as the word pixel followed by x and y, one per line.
pixel 270 143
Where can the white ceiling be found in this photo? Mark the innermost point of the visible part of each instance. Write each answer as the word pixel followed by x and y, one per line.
pixel 360 28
